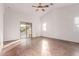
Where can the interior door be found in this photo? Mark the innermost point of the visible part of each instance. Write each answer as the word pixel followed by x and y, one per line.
pixel 25 30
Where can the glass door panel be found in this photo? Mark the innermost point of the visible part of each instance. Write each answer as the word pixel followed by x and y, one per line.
pixel 25 30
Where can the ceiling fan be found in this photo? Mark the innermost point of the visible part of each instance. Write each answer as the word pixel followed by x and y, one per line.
pixel 41 6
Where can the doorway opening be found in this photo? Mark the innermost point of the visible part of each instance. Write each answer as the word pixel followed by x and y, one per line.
pixel 25 30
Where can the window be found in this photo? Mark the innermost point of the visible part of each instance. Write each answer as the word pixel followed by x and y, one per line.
pixel 76 21
pixel 44 26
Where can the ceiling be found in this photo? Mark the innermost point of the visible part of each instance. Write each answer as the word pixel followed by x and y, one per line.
pixel 28 9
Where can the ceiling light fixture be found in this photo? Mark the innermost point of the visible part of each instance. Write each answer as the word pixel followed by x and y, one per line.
pixel 41 7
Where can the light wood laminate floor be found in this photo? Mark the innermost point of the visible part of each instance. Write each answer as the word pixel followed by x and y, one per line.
pixel 42 46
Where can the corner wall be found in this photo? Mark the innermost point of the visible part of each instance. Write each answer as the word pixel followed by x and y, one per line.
pixel 12 21
pixel 61 23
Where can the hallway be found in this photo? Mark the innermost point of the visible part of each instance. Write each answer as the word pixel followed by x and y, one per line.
pixel 42 46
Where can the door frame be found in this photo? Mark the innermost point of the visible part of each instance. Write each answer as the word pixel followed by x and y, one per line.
pixel 26 23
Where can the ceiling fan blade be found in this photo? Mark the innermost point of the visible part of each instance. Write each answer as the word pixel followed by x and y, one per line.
pixel 36 6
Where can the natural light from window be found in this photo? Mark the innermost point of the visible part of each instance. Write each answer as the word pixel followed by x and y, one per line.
pixel 45 48
pixel 76 22
pixel 23 25
pixel 44 26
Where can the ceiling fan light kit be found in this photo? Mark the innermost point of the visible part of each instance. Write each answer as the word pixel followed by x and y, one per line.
pixel 41 7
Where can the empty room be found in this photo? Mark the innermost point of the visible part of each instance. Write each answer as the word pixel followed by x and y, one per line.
pixel 39 29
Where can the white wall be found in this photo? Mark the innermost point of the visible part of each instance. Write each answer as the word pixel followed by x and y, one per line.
pixel 12 24
pixel 1 24
pixel 50 20
pixel 61 25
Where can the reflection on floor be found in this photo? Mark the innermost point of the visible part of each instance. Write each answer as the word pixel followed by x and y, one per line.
pixel 6 42
pixel 42 46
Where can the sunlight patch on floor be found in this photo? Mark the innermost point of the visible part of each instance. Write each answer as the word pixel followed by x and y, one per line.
pixel 45 48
